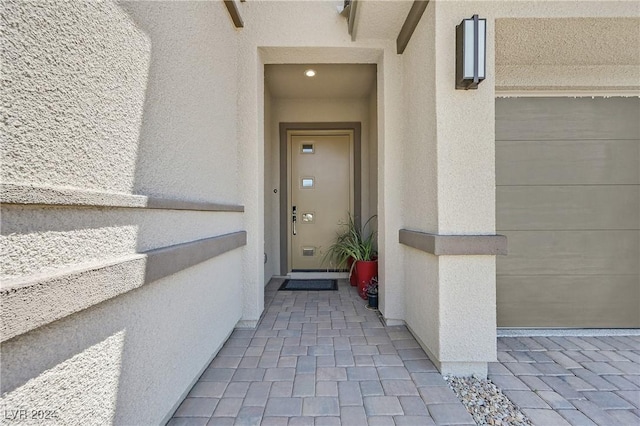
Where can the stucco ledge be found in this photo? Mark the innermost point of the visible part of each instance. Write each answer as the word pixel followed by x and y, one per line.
pixel 49 196
pixel 33 301
pixel 454 245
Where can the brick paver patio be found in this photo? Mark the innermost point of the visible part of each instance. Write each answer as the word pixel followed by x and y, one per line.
pixel 320 358
pixel 571 380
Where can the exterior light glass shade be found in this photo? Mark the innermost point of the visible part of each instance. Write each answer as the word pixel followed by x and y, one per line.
pixel 471 52
pixel 310 73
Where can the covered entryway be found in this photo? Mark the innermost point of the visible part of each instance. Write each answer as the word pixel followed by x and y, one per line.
pixel 568 199
pixel 320 158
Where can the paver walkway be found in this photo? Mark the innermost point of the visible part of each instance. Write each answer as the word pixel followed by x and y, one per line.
pixel 320 358
pixel 571 380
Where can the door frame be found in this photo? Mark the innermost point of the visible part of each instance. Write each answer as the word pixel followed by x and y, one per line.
pixel 355 127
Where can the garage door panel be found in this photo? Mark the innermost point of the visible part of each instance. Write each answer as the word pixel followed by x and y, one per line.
pixel 567 207
pixel 568 162
pixel 571 252
pixel 567 118
pixel 568 200
pixel 568 301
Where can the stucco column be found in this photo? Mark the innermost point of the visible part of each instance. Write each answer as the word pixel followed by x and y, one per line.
pixel 251 164
pixel 391 274
pixel 466 201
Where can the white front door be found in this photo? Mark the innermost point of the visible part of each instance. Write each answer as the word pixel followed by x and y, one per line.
pixel 321 194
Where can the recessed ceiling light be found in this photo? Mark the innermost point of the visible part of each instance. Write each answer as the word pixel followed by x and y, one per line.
pixel 310 73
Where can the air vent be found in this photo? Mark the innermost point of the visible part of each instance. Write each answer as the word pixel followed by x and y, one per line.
pixel 308 251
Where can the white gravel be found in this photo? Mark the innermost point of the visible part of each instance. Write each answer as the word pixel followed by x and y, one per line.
pixel 486 403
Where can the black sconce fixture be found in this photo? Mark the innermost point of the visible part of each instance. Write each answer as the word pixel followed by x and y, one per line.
pixel 471 52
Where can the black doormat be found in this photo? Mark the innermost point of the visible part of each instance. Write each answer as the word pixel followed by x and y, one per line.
pixel 309 285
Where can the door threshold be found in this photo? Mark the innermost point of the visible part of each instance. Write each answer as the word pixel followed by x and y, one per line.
pixel 318 275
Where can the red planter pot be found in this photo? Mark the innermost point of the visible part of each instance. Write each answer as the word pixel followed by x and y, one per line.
pixel 353 278
pixel 365 271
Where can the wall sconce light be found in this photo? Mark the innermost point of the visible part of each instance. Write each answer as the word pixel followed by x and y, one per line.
pixel 471 52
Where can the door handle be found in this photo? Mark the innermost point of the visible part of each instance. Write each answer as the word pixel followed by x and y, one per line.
pixel 294 217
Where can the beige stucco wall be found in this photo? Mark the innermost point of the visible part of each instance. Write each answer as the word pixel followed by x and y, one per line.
pixel 566 48
pixel 271 199
pixel 466 205
pixel 129 98
pixel 420 196
pixel 448 187
pixel 55 90
pixel 38 240
pixel 390 141
pixel 128 360
pixel 588 54
pixel 373 151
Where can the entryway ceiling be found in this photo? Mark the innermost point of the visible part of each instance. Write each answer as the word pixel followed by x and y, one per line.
pixel 330 81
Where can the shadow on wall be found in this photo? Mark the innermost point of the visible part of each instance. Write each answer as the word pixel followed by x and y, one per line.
pixel 167 128
pixel 83 72
pixel 187 148
pixel 104 362
pixel 85 351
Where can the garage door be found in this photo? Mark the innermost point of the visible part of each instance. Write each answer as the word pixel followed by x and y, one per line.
pixel 568 199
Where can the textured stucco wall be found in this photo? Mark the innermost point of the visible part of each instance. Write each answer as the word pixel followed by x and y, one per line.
pixel 127 360
pixel 380 19
pixel 373 150
pixel 420 209
pixel 559 46
pixel 422 308
pixel 466 202
pixel 56 85
pixel 271 199
pixel 186 147
pixel 568 54
pixel 130 98
pixel 449 186
pixel 96 97
pixel 420 198
pixel 466 136
pixel 390 141
pixel 47 240
pixel 467 319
